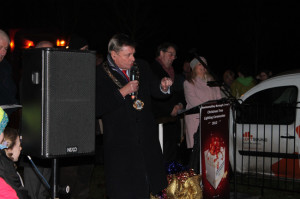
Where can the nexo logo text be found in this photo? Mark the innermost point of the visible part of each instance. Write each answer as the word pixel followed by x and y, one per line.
pixel 73 149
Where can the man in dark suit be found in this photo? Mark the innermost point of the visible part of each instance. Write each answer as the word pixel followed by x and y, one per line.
pixel 133 160
pixel 165 110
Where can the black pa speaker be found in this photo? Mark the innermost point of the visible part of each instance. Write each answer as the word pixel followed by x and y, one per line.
pixel 58 99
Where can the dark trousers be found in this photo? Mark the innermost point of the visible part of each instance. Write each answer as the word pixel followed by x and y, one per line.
pixel 194 161
pixel 171 140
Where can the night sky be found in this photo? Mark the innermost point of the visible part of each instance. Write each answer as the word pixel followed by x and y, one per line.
pixel 263 34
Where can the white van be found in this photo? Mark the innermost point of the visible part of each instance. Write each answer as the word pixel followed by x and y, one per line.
pixel 268 128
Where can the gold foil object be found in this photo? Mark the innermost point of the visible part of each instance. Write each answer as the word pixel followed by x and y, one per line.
pixel 190 189
pixel 179 188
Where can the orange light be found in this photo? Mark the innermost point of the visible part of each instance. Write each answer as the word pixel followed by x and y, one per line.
pixel 12 45
pixel 12 33
pixel 28 44
pixel 60 42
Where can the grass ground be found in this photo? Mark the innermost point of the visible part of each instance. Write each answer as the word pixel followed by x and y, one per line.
pixel 97 189
pixel 259 193
pixel 274 187
pixel 97 185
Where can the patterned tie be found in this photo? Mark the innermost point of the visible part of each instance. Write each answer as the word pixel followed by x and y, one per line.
pixel 124 71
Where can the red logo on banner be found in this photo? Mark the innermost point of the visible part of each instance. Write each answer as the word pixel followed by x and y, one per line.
pixel 247 136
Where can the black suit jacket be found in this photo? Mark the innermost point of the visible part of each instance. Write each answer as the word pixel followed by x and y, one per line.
pixel 132 153
pixel 164 107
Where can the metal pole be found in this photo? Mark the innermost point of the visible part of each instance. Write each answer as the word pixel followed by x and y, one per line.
pixel 234 148
pixel 54 173
pixel 200 171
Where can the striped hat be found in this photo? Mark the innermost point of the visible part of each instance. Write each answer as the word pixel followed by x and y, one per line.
pixel 3 120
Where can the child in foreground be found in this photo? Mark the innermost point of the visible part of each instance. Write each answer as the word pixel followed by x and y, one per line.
pixel 11 183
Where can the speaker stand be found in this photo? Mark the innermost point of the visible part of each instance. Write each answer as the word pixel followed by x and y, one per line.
pixel 54 174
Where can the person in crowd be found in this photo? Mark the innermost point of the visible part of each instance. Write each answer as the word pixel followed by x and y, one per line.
pixel 263 75
pixel 165 110
pixel 186 71
pixel 133 160
pixel 8 88
pixel 7 192
pixel 36 188
pixel 4 44
pixel 44 44
pixel 77 171
pixel 8 157
pixel 243 82
pixel 197 92
pixel 3 122
pixel 228 78
pixel 99 58
pixel 182 76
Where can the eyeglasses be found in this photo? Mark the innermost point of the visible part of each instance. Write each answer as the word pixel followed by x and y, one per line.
pixel 171 54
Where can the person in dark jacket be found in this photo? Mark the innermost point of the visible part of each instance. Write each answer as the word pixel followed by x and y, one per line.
pixel 8 88
pixel 133 159
pixel 165 110
pixel 8 157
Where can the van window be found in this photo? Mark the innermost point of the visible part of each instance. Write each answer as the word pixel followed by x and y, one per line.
pixel 271 106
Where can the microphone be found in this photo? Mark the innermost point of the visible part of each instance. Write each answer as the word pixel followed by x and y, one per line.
pixel 61 189
pixel 38 172
pixel 214 83
pixel 194 52
pixel 133 76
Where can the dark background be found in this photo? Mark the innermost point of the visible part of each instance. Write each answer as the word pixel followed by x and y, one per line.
pixel 261 33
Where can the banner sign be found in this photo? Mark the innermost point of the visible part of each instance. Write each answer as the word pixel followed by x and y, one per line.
pixel 215 150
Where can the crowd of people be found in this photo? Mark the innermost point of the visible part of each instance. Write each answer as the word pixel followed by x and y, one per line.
pixel 130 111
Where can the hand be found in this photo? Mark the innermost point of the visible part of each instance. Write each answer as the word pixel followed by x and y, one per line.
pixel 130 87
pixel 176 108
pixel 166 83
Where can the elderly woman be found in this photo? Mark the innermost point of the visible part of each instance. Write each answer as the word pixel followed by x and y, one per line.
pixel 197 92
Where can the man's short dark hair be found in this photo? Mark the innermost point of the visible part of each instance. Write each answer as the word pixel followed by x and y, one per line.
pixel 164 47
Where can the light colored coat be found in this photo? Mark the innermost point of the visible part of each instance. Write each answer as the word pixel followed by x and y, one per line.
pixel 196 94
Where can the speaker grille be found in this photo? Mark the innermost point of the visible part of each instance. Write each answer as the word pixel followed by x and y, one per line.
pixel 67 102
